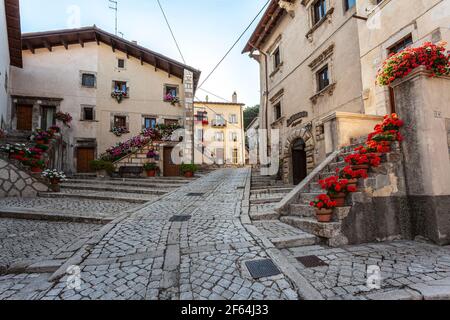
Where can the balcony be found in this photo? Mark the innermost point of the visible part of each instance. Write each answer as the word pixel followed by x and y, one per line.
pixel 218 124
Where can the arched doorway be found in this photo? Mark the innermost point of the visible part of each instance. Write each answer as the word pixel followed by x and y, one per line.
pixel 299 165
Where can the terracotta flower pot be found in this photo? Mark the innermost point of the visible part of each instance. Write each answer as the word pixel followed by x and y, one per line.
pixel 324 215
pixel 189 174
pixel 151 173
pixel 353 183
pixel 55 187
pixel 339 198
pixel 36 170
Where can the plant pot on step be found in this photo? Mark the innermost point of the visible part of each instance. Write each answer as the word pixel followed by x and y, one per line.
pixel 364 167
pixel 102 174
pixel 324 215
pixel 151 173
pixel 339 198
pixel 353 183
pixel 189 174
pixel 55 186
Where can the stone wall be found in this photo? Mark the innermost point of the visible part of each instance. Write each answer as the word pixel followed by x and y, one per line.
pixel 15 182
pixel 448 135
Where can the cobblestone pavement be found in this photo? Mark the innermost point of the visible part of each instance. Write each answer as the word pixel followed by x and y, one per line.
pixel 67 206
pixel 403 265
pixel 25 242
pixel 146 256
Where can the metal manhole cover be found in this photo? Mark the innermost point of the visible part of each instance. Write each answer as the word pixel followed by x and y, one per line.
pixel 195 194
pixel 262 268
pixel 312 262
pixel 180 218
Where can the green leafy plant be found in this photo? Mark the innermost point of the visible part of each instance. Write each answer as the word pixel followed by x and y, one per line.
pixel 99 165
pixel 188 168
pixel 150 166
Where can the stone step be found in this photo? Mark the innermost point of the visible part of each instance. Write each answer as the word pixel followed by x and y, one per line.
pixel 265 201
pixel 110 188
pixel 94 196
pixel 302 210
pixel 262 216
pixel 271 191
pixel 312 226
pixel 307 197
pixel 295 241
pixel 143 183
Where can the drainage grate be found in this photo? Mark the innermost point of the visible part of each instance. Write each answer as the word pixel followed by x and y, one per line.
pixel 195 194
pixel 312 262
pixel 262 268
pixel 180 218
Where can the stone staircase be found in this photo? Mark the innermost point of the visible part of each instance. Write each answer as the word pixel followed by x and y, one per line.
pixel 265 194
pixel 383 182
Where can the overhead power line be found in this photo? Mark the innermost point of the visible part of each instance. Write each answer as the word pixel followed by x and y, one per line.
pixel 234 45
pixel 171 32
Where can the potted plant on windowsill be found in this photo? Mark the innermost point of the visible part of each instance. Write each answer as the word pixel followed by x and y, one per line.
pixel 324 208
pixel 151 169
pixel 55 178
pixel 103 168
pixel 174 100
pixel 188 170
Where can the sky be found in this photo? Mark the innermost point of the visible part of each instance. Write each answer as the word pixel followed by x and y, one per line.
pixel 205 30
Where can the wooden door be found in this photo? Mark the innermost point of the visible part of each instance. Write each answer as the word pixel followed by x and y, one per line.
pixel 299 163
pixel 220 156
pixel 170 168
pixel 84 157
pixel 24 117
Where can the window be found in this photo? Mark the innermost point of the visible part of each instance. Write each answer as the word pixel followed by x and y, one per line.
pixel 235 156
pixel 120 86
pixel 219 136
pixel 320 10
pixel 402 44
pixel 121 63
pixel 277 110
pixel 233 136
pixel 220 120
pixel 349 4
pixel 233 119
pixel 323 78
pixel 149 123
pixel 172 90
pixel 87 113
pixel 88 80
pixel 120 122
pixel 199 134
pixel 276 58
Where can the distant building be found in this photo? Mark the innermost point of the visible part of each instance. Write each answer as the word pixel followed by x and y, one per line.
pixel 219 132
pixel 112 88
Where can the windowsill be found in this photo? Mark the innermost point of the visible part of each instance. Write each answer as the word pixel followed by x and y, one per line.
pixel 86 87
pixel 328 89
pixel 277 122
pixel 319 23
pixel 274 72
pixel 89 121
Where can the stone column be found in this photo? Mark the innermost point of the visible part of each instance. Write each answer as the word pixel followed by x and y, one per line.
pixel 423 103
pixel 188 152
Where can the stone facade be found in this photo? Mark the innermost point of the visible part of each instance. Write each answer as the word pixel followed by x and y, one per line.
pixel 15 182
pixel 447 121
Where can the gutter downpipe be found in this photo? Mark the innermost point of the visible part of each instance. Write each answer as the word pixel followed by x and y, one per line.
pixel 266 91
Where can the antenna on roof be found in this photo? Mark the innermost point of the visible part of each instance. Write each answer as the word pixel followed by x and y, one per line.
pixel 115 8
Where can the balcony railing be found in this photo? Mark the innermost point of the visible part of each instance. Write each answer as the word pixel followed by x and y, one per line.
pixel 219 123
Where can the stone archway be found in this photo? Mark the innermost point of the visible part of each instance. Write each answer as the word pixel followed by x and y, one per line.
pixel 300 134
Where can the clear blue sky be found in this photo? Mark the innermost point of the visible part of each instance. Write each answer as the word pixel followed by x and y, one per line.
pixel 205 29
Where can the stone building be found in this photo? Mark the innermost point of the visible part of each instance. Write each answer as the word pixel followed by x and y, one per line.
pixel 10 52
pixel 219 132
pixel 104 82
pixel 318 61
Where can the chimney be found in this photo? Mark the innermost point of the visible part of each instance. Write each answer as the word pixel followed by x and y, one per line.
pixel 234 99
pixel 207 98
pixel 134 41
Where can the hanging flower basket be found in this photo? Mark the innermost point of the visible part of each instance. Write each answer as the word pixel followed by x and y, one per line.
pixel 119 95
pixel 173 100
pixel 65 118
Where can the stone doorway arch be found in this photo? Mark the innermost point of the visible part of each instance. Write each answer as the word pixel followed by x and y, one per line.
pixel 295 140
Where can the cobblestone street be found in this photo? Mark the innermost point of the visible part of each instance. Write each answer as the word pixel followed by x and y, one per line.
pixel 146 254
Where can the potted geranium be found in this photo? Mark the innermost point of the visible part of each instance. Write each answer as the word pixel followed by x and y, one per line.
pixel 151 169
pixel 102 168
pixel 172 99
pixel 54 130
pixel 65 118
pixel 324 208
pixel 41 137
pixel 188 170
pixel 36 166
pixel 352 176
pixel 360 161
pixel 337 189
pixel 55 178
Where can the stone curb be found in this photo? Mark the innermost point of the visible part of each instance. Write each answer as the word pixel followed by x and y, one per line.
pixel 304 288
